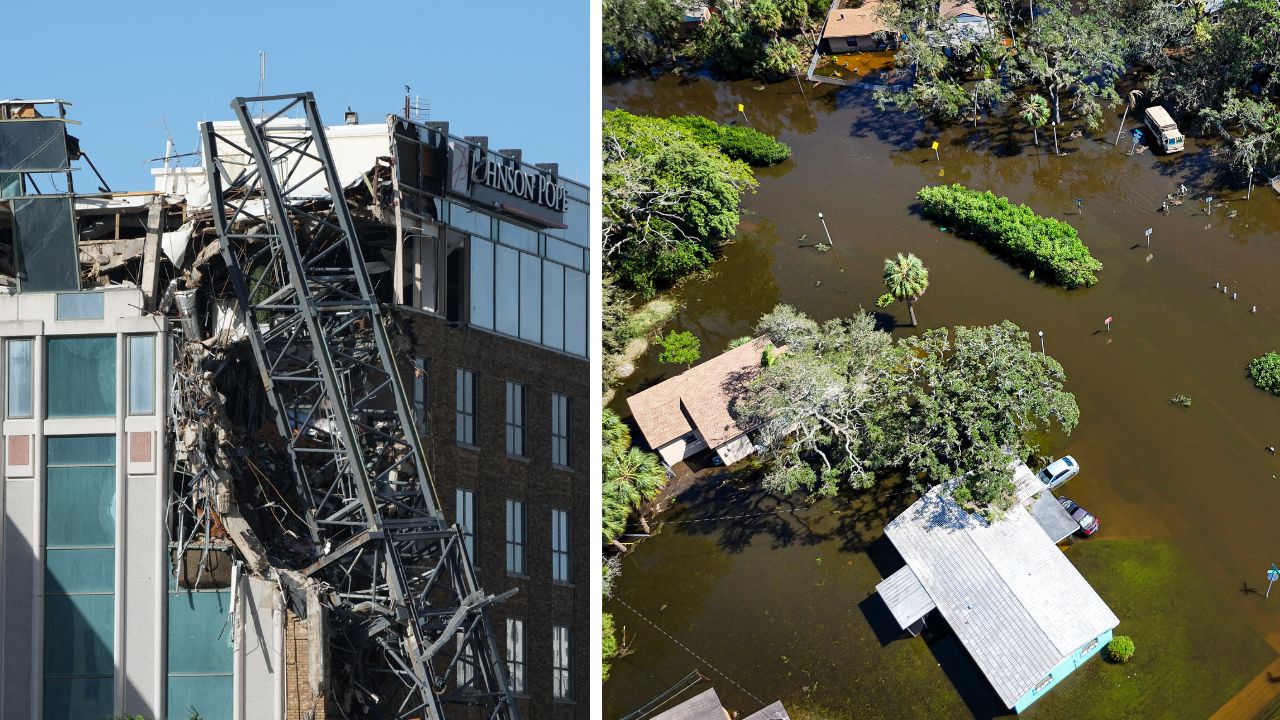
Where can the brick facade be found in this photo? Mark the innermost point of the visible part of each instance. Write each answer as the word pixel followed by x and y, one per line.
pixel 495 477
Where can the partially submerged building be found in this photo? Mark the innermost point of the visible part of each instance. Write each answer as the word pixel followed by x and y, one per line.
pixel 246 482
pixel 692 412
pixel 1023 612
pixel 856 27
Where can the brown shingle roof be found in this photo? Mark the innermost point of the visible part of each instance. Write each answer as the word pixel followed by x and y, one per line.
pixel 851 22
pixel 698 398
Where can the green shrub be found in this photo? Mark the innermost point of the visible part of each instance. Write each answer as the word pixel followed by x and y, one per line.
pixel 738 342
pixel 1013 231
pixel 1120 649
pixel 1265 372
pixel 738 142
pixel 681 348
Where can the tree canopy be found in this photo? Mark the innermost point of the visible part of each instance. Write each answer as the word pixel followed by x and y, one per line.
pixel 669 200
pixel 846 403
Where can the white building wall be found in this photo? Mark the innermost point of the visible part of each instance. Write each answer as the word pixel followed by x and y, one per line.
pixel 138 627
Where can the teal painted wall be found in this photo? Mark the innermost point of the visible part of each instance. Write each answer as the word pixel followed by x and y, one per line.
pixel 1064 668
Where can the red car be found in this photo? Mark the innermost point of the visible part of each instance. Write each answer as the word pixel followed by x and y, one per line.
pixel 1087 522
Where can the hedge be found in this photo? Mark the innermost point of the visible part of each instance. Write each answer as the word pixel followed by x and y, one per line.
pixel 738 142
pixel 1042 244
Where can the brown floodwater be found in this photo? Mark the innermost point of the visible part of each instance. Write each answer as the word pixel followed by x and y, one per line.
pixel 778 605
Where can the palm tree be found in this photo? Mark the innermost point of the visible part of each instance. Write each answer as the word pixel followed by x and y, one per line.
pixel 614 432
pixel 1035 112
pixel 1130 103
pixel 906 278
pixel 632 478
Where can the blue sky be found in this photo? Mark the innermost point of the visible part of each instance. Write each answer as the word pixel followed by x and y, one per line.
pixel 518 72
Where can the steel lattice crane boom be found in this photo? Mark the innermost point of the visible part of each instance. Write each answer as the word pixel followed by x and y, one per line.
pixel 409 607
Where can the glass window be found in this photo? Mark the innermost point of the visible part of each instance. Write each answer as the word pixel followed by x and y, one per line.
pixel 515 654
pixel 455 271
pixel 575 312
pixel 81 378
pixel 563 252
pixel 515 537
pixel 464 515
pixel 560 662
pixel 142 374
pixel 482 283
pixel 79 599
pixel 507 291
pixel 80 306
pixel 470 222
pixel 560 430
pixel 518 237
pixel 515 418
pixel 428 268
pixel 200 654
pixel 465 401
pixel 553 305
pixel 560 545
pixel 531 298
pixel 18 378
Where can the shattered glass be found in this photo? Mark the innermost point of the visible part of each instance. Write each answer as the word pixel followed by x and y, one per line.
pixel 38 145
pixel 45 239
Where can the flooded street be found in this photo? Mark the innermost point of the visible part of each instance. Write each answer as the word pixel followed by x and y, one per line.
pixel 777 601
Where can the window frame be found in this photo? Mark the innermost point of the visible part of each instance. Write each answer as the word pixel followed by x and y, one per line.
pixel 561 417
pixel 515 419
pixel 516 534
pixel 464 514
pixel 464 405
pixel 515 656
pixel 561 572
pixel 10 375
pixel 148 342
pixel 561 663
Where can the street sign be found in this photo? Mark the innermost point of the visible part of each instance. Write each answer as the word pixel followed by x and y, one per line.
pixel 934 146
pixel 1108 320
pixel 1148 232
pixel 1272 575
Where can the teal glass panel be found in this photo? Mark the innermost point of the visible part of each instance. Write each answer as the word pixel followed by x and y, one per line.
pixel 82 377
pixel 82 450
pixel 199 632
pixel 79 571
pixel 207 695
pixel 81 502
pixel 79 698
pixel 78 638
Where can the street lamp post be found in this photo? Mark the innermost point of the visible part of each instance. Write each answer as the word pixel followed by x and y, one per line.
pixel 1042 342
pixel 825 230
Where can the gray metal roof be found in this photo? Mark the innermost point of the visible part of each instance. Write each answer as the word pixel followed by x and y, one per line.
pixel 1053 518
pixel 705 706
pixel 773 712
pixel 905 596
pixel 1011 596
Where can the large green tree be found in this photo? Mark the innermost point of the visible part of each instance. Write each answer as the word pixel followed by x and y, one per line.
pixel 1250 127
pixel 846 403
pixel 1074 51
pixel 638 34
pixel 669 201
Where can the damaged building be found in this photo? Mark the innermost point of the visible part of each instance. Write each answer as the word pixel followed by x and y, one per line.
pixel 300 433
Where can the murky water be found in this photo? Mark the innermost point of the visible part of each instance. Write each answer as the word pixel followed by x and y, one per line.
pixel 781 605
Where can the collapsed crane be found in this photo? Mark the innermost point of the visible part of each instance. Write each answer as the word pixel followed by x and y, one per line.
pixel 406 610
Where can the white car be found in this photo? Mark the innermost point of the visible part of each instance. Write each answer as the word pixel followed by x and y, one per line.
pixel 1059 471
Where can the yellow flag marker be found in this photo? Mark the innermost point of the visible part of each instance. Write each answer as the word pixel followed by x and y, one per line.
pixel 935 151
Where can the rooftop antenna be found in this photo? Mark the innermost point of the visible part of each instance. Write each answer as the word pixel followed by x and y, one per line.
pixel 262 76
pixel 406 101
